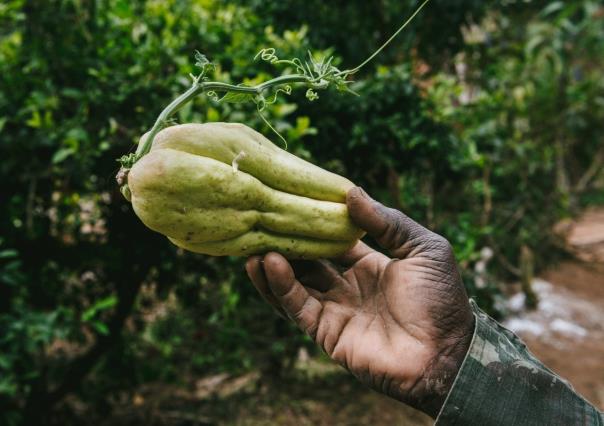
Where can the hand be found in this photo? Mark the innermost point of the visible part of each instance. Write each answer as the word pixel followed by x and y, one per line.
pixel 402 324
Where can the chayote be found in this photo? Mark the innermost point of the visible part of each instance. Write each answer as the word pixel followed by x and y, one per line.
pixel 224 189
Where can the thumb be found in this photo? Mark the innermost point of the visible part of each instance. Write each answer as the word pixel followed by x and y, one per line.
pixel 392 229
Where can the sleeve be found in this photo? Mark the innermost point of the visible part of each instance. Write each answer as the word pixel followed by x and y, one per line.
pixel 501 383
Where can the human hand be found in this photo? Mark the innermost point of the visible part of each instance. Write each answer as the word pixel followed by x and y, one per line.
pixel 402 324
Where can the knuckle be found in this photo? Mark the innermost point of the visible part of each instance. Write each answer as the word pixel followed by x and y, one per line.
pixel 286 293
pixel 441 244
pixel 302 315
pixel 395 232
pixel 311 330
pixel 299 316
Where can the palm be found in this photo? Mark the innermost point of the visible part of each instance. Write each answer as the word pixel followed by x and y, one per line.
pixel 370 322
pixel 399 324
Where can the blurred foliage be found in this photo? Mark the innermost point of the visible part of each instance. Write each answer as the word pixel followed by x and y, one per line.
pixel 484 121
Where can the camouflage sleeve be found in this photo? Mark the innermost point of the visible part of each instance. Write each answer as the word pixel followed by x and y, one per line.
pixel 501 383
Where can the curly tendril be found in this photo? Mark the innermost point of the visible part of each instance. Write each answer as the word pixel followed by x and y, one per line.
pixel 267 55
pixel 312 73
pixel 311 95
pixel 213 95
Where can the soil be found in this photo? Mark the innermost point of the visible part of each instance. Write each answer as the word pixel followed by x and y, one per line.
pixel 322 395
pixel 573 342
pixel 566 331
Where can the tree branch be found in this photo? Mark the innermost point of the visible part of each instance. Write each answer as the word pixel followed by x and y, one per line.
pixel 592 172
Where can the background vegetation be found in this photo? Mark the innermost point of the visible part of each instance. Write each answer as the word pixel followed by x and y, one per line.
pixel 483 121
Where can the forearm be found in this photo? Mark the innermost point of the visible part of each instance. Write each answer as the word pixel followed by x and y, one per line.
pixel 501 383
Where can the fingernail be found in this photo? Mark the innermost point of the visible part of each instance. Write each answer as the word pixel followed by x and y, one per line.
pixel 357 192
pixel 364 194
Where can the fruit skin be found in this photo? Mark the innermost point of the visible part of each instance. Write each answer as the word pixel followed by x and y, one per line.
pixel 187 188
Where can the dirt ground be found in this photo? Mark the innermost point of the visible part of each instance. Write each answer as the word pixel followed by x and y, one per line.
pixel 571 339
pixel 566 332
pixel 326 396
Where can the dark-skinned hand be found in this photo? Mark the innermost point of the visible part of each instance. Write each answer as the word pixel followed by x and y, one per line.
pixel 401 324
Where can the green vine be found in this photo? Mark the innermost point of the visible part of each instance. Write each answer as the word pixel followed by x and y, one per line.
pixel 313 74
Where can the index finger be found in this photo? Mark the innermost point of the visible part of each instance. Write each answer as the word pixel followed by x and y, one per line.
pixel 352 256
pixel 304 309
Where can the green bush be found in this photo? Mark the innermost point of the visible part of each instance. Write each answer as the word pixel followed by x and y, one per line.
pixel 481 122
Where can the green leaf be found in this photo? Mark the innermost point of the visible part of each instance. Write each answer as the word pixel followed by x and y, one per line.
pixel 35 121
pixel 101 305
pixel 70 92
pixel 8 386
pixel 106 303
pixel 8 254
pixel 61 155
pixel 100 327
pixel 533 43
pixel 5 362
pixel 201 60
pixel 552 8
pixel 237 97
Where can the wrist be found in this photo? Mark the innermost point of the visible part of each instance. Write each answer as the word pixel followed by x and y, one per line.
pixel 433 386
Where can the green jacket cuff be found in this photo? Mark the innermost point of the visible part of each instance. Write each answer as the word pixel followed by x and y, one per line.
pixel 501 383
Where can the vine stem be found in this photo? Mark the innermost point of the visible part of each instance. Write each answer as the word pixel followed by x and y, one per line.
pixel 206 86
pixel 386 43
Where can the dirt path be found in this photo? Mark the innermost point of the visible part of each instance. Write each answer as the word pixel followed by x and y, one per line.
pixel 567 330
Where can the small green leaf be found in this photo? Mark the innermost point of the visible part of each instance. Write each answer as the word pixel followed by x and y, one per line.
pixel 7 386
pixel 212 115
pixel 5 362
pixel 236 97
pixel 35 121
pixel 311 95
pixel 106 303
pixel 61 155
pixel 101 305
pixel 100 327
pixel 88 315
pixel 342 86
pixel 552 8
pixel 70 92
pixel 201 60
pixel 8 254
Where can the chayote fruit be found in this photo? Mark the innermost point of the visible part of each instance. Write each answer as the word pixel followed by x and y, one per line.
pixel 224 189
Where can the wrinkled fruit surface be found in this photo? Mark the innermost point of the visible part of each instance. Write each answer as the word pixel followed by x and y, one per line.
pixel 188 189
